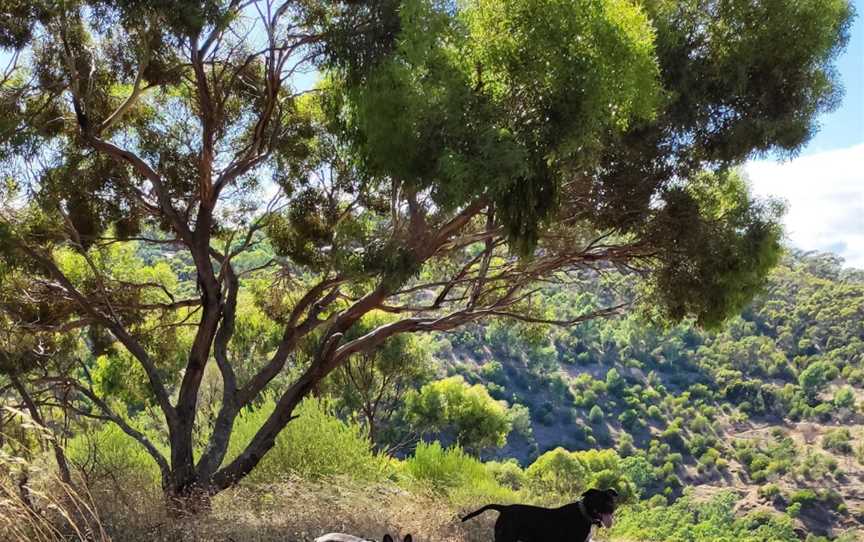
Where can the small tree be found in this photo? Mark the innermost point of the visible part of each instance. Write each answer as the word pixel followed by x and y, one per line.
pixel 467 414
pixel 815 377
pixel 595 414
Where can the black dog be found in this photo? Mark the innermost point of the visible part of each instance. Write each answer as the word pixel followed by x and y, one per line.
pixel 571 522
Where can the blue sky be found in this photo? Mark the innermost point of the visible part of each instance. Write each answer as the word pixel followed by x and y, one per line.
pixel 824 186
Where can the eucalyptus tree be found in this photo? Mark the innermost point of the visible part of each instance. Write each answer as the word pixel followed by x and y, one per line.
pixel 450 159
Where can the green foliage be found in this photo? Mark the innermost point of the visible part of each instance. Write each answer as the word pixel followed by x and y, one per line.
pixel 372 385
pixel 315 445
pixel 838 440
pixel 686 521
pixel 467 413
pixel 108 455
pixel 443 468
pixel 567 474
pixel 508 473
pixel 706 221
pixel 844 398
pixel 639 470
pixel 459 476
pixel 815 377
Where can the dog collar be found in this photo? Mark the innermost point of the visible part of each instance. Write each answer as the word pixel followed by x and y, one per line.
pixel 586 515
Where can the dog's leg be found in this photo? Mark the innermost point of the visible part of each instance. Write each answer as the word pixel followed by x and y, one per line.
pixel 505 531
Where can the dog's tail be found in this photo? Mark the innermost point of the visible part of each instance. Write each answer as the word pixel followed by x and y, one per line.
pixel 497 507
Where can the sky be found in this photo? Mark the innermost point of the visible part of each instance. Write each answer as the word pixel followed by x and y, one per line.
pixel 824 186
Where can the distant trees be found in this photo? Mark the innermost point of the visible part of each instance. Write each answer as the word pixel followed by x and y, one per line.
pixel 815 377
pixel 373 384
pixel 561 472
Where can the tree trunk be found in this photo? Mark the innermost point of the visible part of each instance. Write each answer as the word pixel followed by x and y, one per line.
pixel 186 499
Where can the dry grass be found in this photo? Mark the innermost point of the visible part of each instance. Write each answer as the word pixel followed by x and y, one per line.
pixel 36 506
pixel 296 510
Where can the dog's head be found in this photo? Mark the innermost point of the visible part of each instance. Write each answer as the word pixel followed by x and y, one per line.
pixel 600 505
pixel 388 538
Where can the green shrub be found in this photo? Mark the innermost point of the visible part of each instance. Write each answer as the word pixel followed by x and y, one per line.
pixel 596 414
pixel 844 398
pixel 566 474
pixel 316 444
pixel 106 453
pixel 442 468
pixel 838 440
pixel 559 472
pixel 507 473
pixel 688 520
pixel 794 509
pixel 455 474
pixel 769 491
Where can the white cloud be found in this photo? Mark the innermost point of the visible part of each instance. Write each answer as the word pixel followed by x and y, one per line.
pixel 825 197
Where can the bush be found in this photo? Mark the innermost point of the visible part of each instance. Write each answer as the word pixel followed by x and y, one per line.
pixel 507 473
pixel 794 510
pixel 466 413
pixel 596 414
pixel 558 472
pixel 689 520
pixel 457 475
pixel 316 444
pixel 106 453
pixel 838 440
pixel 442 468
pixel 844 398
pixel 565 475
pixel 769 492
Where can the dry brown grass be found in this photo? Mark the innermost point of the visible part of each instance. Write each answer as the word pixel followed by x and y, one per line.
pixel 35 505
pixel 296 510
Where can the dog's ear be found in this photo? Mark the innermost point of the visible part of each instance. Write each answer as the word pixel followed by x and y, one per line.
pixel 590 493
pixel 387 538
pixel 407 538
pixel 612 493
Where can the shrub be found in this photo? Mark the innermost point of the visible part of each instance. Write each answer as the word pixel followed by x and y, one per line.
pixel 442 468
pixel 105 453
pixel 559 472
pixel 844 398
pixel 794 510
pixel 316 444
pixel 467 413
pixel 769 491
pixel 566 474
pixel 629 418
pixel 507 473
pixel 596 414
pixel 838 440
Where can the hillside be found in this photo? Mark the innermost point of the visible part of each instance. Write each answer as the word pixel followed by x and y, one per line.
pixel 769 405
